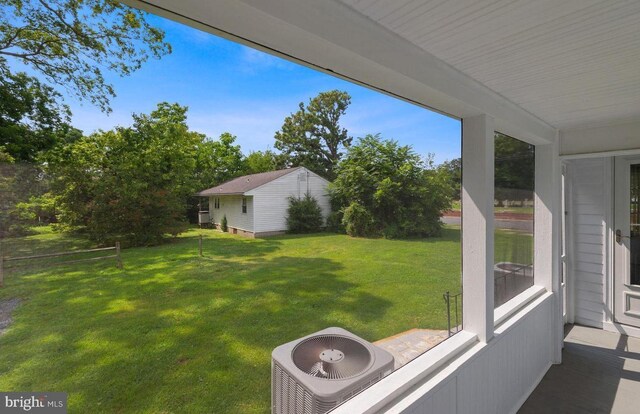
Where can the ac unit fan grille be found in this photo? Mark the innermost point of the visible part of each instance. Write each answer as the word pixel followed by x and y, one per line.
pixel 332 357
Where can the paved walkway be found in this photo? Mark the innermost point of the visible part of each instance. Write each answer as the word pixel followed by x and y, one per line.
pixel 600 373
pixel 407 345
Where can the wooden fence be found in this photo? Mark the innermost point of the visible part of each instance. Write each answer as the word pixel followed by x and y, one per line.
pixel 116 249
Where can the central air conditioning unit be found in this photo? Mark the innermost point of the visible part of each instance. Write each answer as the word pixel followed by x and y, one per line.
pixel 314 374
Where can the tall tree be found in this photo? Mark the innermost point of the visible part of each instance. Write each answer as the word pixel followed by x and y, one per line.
pixel 514 169
pixel 453 169
pixel 218 161
pixel 313 136
pixel 71 42
pixel 18 183
pixel 261 161
pixel 129 184
pixel 32 119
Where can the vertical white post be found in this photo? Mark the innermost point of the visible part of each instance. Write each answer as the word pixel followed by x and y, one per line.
pixel 477 225
pixel 547 233
pixel 118 257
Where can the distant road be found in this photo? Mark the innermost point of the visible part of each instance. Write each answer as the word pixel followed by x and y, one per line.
pixel 521 225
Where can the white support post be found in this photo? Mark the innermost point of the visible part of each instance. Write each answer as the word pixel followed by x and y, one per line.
pixel 547 233
pixel 477 225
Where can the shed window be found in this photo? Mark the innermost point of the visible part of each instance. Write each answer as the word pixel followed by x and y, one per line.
pixel 244 204
pixel 216 203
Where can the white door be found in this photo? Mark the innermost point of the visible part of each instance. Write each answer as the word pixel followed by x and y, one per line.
pixel 627 241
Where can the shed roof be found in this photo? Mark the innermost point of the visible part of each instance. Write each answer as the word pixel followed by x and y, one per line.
pixel 245 183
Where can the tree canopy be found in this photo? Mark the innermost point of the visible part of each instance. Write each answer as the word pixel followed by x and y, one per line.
pixel 453 169
pixel 129 184
pixel 514 164
pixel 262 161
pixel 32 119
pixel 19 183
pixel 136 184
pixel 383 188
pixel 71 42
pixel 218 161
pixel 313 136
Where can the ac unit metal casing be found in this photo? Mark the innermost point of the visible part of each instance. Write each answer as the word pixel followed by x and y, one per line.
pixel 294 391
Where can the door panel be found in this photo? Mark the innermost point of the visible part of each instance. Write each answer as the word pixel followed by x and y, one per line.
pixel 627 241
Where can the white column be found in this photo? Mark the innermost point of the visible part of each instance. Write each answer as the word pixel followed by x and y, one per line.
pixel 477 225
pixel 547 232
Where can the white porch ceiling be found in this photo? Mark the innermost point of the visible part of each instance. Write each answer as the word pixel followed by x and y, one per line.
pixel 572 63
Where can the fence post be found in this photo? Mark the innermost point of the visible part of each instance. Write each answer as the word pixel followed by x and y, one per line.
pixel 200 245
pixel 457 324
pixel 1 268
pixel 118 257
pixel 447 299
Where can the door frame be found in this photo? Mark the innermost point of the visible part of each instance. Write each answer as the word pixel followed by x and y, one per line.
pixel 621 164
pixel 566 263
pixel 609 324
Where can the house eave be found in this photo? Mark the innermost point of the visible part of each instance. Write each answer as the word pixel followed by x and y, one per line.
pixel 217 194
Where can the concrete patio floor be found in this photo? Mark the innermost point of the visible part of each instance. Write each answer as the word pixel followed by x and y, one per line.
pixel 600 373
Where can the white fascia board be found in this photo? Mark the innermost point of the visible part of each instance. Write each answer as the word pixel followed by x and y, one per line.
pixel 330 36
pixel 606 140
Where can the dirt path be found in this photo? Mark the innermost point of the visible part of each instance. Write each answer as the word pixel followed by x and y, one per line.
pixel 6 308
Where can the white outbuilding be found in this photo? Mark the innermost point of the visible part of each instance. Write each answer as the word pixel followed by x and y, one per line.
pixel 256 205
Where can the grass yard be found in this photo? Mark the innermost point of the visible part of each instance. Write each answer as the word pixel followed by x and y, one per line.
pixel 174 332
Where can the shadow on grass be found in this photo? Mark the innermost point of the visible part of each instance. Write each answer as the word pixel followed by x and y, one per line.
pixel 193 337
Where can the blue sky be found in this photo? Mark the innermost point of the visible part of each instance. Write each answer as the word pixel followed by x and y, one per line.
pixel 230 87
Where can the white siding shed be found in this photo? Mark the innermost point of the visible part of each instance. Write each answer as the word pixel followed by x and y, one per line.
pixel 266 197
pixel 272 199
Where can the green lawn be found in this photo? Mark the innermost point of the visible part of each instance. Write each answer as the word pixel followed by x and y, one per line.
pixel 174 332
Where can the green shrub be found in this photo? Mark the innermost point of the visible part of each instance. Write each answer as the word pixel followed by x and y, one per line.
pixel 224 226
pixel 385 189
pixel 334 222
pixel 393 231
pixel 304 215
pixel 357 220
